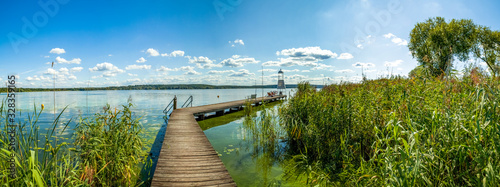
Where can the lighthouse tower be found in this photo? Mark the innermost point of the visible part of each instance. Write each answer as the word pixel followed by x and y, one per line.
pixel 281 83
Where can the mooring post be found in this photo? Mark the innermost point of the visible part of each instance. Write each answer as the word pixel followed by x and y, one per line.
pixel 175 102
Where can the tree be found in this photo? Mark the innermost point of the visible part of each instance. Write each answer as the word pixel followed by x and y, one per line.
pixel 488 49
pixel 435 43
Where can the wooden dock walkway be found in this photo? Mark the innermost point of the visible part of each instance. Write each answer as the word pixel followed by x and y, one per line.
pixel 187 158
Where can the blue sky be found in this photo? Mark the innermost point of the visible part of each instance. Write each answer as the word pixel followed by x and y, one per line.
pixel 113 43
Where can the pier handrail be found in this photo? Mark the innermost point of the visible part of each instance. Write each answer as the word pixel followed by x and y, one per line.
pixel 170 106
pixel 189 101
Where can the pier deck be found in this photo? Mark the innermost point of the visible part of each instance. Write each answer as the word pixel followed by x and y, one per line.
pixel 187 158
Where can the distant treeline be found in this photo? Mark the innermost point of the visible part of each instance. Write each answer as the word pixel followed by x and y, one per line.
pixel 148 87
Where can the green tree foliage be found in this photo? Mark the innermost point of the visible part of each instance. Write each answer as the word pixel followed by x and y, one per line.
pixel 436 43
pixel 488 48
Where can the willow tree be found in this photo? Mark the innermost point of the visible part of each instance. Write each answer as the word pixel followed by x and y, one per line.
pixel 435 43
pixel 488 49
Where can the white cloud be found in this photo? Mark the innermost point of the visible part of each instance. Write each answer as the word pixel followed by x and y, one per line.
pixel 220 72
pixel 141 60
pixel 76 69
pixel 46 56
pixel 132 75
pixel 200 60
pixel 57 51
pixel 344 71
pixel 174 53
pixel 64 71
pixel 108 69
pixel 393 63
pixel 237 41
pixel 241 73
pixel 308 54
pixel 345 56
pixel 395 39
pixel 363 65
pixel 163 68
pixel 305 71
pixel 71 77
pixel 183 68
pixel 51 71
pixel 60 60
pixel 203 62
pixel 131 67
pixel 192 72
pixel 323 67
pixel 177 53
pixel 360 46
pixel 152 52
pixel 110 55
pixel 236 61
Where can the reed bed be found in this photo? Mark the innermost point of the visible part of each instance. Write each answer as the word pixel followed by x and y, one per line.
pixel 107 151
pixel 396 132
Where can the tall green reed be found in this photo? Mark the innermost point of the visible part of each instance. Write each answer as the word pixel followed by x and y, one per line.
pixel 397 131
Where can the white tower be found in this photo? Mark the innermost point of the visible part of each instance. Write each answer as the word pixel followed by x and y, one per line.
pixel 281 83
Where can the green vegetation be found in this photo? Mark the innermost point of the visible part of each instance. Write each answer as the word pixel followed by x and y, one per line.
pixel 396 132
pixel 106 151
pixel 435 44
pixel 110 147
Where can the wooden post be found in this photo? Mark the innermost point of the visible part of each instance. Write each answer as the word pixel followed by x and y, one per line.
pixel 175 102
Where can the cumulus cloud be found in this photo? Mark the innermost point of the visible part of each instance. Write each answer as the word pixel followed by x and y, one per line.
pixel 203 62
pixel 132 75
pixel 220 72
pixel 237 61
pixel 395 39
pixel 200 60
pixel 393 63
pixel 237 41
pixel 132 67
pixel 344 71
pixel 141 60
pixel 192 72
pixel 345 56
pixel 177 53
pixel 57 51
pixel 183 68
pixel 108 69
pixel 241 73
pixel 60 60
pixel 76 69
pixel 363 65
pixel 152 52
pixel 322 67
pixel 308 53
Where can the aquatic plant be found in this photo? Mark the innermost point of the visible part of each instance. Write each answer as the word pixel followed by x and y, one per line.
pixel 110 147
pixel 396 131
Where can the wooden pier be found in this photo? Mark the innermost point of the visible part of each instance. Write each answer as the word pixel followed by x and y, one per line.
pixel 187 158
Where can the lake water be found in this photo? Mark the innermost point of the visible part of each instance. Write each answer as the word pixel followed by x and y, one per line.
pixel 227 138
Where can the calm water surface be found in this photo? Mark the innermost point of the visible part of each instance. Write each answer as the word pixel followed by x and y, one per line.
pixel 230 140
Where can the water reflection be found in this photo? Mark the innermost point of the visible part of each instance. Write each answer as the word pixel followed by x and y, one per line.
pixel 252 148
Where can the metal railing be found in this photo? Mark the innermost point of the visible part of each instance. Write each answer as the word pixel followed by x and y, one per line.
pixel 188 102
pixel 171 106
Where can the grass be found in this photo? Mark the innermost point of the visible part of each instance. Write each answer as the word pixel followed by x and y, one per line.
pixel 106 151
pixel 397 132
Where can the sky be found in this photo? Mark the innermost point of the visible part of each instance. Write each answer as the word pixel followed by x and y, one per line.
pixel 218 42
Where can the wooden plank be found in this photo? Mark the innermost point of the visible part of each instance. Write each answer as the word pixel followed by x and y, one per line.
pixel 187 158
